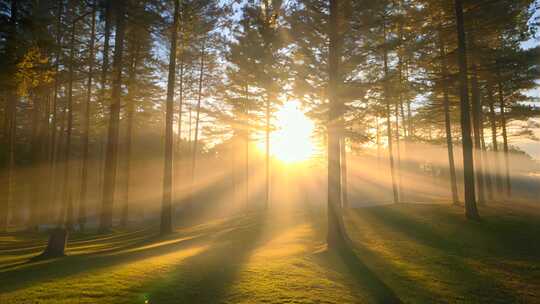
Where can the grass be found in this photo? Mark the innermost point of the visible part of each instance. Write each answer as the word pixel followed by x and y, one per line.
pixel 408 253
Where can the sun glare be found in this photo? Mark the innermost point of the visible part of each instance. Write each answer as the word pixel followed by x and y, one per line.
pixel 292 141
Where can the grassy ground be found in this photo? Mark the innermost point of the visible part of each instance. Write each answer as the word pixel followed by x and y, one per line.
pixel 408 253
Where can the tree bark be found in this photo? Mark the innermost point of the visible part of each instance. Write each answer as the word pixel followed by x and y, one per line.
pixel 267 156
pixel 196 135
pixel 166 209
pixel 336 235
pixel 471 210
pixel 246 148
pixel 178 156
pixel 130 111
pixel 398 143
pixel 388 115
pixel 53 157
pixel 493 124
pixel 487 168
pixel 505 142
pixel 10 118
pixel 109 178
pixel 447 121
pixel 477 127
pixel 85 138
pixel 66 193
pixel 344 179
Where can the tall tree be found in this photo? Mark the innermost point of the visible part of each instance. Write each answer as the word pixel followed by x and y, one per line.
pixel 10 114
pixel 85 137
pixel 109 178
pixel 336 236
pixel 166 217
pixel 471 210
pixel 447 123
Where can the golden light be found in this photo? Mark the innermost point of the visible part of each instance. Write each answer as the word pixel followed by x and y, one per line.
pixel 292 141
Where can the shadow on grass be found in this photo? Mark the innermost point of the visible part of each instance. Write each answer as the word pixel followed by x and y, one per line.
pixel 344 262
pixel 448 255
pixel 370 284
pixel 209 276
pixel 445 228
pixel 147 246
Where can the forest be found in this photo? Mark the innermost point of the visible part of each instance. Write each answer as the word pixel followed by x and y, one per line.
pixel 270 151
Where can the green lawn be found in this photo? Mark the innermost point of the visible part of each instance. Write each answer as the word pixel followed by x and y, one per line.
pixel 408 253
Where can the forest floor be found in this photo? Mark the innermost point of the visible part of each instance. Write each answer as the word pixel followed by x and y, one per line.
pixel 402 253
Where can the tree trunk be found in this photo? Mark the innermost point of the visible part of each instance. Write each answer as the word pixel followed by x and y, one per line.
pixel 267 156
pixel 56 245
pixel 493 124
pixel 166 217
pixel 487 169
pixel 109 178
pixel 477 128
pixel 66 193
pixel 178 158
pixel 447 122
pixel 59 167
pixel 130 110
pixel 505 142
pixel 246 148
pixel 378 141
pixel 10 117
pixel 344 179
pixel 398 144
pixel 337 235
pixel 53 157
pixel 35 150
pixel 84 170
pixel 388 122
pixel 468 164
pixel 196 131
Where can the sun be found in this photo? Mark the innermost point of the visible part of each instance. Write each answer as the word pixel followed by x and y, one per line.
pixel 292 140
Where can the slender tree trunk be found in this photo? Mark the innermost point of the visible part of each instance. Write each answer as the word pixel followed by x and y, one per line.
pixel 468 164
pixel 35 161
pixel 246 147
pixel 84 171
pixel 388 122
pixel 344 179
pixel 57 191
pixel 106 46
pixel 53 141
pixel 196 136
pixel 267 156
pixel 130 111
pixel 166 217
pixel 447 121
pixel 398 144
pixel 178 157
pixel 66 194
pixel 10 118
pixel 477 128
pixel 493 124
pixel 485 158
pixel 189 124
pixel 337 235
pixel 505 142
pixel 378 141
pixel 109 178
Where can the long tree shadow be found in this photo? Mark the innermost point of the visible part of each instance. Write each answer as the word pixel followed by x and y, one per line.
pixel 435 226
pixel 147 247
pixel 209 276
pixel 378 291
pixel 346 263
pixel 455 253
